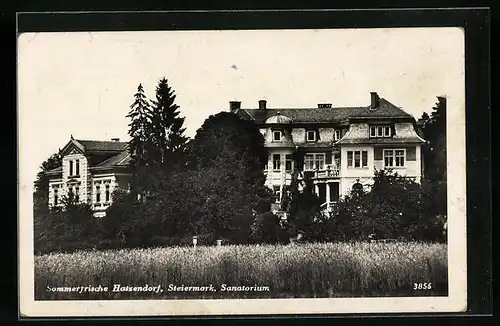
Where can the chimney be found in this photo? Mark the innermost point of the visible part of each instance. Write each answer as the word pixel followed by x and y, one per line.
pixel 374 100
pixel 115 139
pixel 324 105
pixel 234 105
pixel 262 104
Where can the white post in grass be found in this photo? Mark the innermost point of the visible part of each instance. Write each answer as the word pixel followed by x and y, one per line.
pixel 219 243
pixel 195 241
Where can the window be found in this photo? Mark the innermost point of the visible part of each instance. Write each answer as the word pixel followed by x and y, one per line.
pixel 77 193
pixel 276 135
pixel 277 193
pixel 70 168
pixel 107 193
pixel 380 131
pixel 311 135
pixel 399 156
pixel 288 162
pixel 77 167
pixel 56 196
pixel 98 194
pixel 364 158
pixel 387 131
pixel 394 157
pixel 337 134
pixel 314 161
pixel 357 159
pixel 276 162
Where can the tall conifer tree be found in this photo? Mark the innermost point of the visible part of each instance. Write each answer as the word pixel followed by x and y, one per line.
pixel 140 144
pixel 167 126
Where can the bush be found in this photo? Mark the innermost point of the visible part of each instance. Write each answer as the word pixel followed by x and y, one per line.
pixel 395 208
pixel 65 229
pixel 267 229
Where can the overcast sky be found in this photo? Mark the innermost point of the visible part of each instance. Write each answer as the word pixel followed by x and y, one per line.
pixel 83 83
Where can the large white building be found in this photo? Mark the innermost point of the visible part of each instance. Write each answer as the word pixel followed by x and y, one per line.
pixel 337 146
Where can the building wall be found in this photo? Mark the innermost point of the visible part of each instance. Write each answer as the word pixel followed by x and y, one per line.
pixel 53 184
pixel 298 135
pixel 278 177
pixel 352 172
pixel 326 134
pixel 413 164
pixel 102 180
pixel 346 184
pixel 82 178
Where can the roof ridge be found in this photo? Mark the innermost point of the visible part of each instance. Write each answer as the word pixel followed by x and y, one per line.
pixel 101 141
pixel 311 108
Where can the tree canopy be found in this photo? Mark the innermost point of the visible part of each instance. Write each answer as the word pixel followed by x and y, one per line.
pixel 167 126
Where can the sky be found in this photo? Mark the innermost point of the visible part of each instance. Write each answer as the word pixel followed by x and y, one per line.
pixel 82 84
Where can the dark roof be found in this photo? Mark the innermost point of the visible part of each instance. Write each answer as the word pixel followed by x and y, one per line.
pixel 55 171
pixel 102 146
pixel 121 159
pixel 316 145
pixel 375 141
pixel 337 114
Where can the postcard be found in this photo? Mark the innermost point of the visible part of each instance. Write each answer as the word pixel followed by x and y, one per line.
pixel 242 172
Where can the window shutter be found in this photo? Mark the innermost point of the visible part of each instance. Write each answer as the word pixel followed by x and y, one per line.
pixel 411 153
pixel 298 157
pixel 328 157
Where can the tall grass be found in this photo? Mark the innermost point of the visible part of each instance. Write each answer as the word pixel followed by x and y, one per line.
pixel 308 270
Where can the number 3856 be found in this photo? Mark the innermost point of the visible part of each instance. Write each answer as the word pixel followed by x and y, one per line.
pixel 422 286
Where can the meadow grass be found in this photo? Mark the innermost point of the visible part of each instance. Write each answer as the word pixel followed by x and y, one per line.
pixel 305 270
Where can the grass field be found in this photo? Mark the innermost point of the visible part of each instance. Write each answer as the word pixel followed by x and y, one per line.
pixel 300 271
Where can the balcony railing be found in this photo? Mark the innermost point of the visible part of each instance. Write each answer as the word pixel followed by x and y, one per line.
pixel 328 171
pixel 101 205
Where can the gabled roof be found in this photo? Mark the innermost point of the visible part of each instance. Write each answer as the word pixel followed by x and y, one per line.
pixel 55 171
pixel 322 115
pixel 102 146
pixel 121 159
pixel 115 151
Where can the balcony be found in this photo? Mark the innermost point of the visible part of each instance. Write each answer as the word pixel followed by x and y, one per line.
pixel 284 177
pixel 329 171
pixel 101 206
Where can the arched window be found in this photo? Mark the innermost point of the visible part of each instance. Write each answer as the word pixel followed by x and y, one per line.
pixel 357 188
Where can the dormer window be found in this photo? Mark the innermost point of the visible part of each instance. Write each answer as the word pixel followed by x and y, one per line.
pixel 311 135
pixel 380 131
pixel 276 135
pixel 337 134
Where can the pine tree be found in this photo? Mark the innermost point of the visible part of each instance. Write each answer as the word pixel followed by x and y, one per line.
pixel 167 131
pixel 140 145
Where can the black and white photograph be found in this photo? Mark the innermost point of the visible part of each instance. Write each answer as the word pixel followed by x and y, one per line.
pixel 212 172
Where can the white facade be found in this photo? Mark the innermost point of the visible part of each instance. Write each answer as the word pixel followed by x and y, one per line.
pixel 337 146
pixel 89 184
